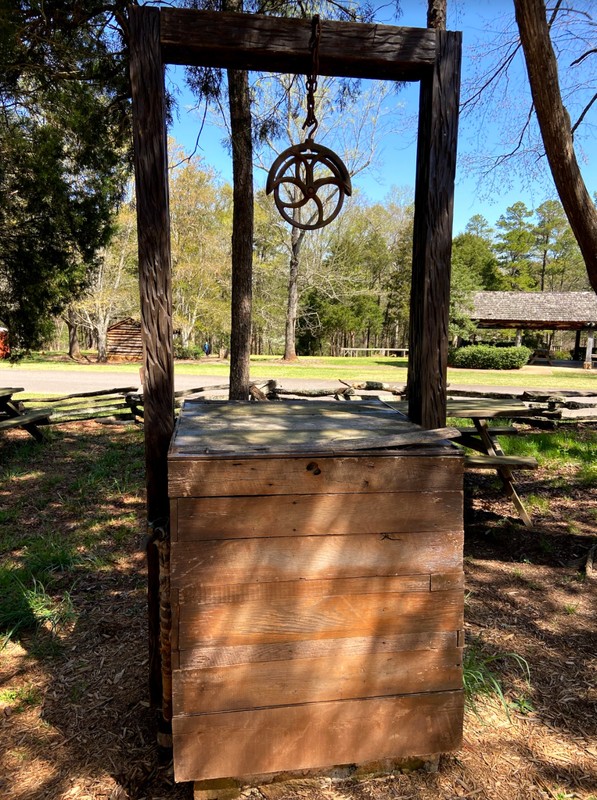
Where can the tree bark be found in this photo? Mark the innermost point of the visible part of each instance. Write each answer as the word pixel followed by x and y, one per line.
pixel 436 14
pixel 74 349
pixel 242 227
pixel 554 123
pixel 102 345
pixel 297 237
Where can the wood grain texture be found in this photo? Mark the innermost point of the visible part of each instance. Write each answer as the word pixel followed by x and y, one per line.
pixel 348 475
pixel 252 42
pixel 315 680
pixel 257 622
pixel 443 581
pixel 278 559
pixel 317 515
pixel 201 594
pixel 432 235
pixel 260 441
pixel 319 735
pixel 153 225
pixel 204 656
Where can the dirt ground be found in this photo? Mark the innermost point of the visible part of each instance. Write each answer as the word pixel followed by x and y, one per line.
pixel 80 728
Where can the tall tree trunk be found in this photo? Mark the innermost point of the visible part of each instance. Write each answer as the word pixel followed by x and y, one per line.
pixel 74 349
pixel 296 240
pixel 554 123
pixel 242 226
pixel 102 344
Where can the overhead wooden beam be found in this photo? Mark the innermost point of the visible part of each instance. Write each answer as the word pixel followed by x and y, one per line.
pixel 275 44
pixel 151 182
pixel 432 235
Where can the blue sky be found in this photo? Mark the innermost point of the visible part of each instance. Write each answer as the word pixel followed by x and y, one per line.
pixel 395 163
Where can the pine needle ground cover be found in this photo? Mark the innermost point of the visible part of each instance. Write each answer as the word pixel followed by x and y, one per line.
pixel 74 718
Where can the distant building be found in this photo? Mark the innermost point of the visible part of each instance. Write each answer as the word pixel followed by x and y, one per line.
pixel 568 311
pixel 4 348
pixel 124 340
pixel 540 311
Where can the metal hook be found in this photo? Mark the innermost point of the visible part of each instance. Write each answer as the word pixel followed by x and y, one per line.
pixel 311 121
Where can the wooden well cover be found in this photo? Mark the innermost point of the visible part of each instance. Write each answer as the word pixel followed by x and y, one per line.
pixel 317 595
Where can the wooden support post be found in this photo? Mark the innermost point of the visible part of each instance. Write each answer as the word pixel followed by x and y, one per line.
pixel 589 350
pixel 151 179
pixel 576 355
pixel 432 238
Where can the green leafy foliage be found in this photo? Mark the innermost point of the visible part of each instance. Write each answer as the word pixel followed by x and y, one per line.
pixel 63 155
pixel 487 357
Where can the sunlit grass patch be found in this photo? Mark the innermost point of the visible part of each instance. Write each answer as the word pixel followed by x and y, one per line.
pixel 70 509
pixel 21 698
pixel 483 674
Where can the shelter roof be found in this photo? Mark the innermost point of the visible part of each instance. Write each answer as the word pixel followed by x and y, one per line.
pixel 539 310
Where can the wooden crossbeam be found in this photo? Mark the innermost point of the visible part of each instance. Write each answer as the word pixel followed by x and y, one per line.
pixel 273 44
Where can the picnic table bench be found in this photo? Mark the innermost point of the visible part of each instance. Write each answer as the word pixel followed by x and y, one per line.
pixel 13 416
pixel 482 437
pixel 382 351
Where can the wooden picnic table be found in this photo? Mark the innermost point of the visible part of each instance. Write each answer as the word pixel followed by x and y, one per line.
pixel 483 437
pixel 383 351
pixel 13 416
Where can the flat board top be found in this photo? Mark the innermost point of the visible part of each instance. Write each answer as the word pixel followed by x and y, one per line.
pixel 215 428
pixel 479 408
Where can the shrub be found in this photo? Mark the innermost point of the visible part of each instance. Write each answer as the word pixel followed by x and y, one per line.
pixel 193 351
pixel 484 356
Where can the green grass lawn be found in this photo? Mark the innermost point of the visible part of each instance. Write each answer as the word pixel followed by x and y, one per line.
pixel 387 370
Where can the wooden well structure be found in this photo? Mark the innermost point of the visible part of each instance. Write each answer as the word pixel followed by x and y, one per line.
pixel 431 57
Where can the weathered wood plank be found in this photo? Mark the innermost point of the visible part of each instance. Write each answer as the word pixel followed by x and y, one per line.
pixel 278 559
pixel 324 734
pixel 315 680
pixel 432 235
pixel 344 475
pixel 248 41
pixel 204 410
pixel 493 462
pixel 205 656
pixel 317 515
pixel 232 442
pixel 201 594
pixel 24 420
pixel 258 622
pixel 443 581
pixel 479 407
pixel 153 225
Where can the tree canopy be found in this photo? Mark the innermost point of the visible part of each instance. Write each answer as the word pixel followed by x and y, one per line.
pixel 63 154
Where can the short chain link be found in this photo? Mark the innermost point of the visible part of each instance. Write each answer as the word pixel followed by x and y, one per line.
pixel 311 121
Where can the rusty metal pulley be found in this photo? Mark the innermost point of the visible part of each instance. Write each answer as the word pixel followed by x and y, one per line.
pixel 309 181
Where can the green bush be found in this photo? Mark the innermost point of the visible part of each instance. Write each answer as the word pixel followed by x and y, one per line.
pixel 483 356
pixel 193 351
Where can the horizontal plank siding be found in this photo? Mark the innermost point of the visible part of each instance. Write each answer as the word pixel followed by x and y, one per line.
pixel 316 735
pixel 257 622
pixel 204 656
pixel 201 594
pixel 317 515
pixel 273 476
pixel 315 680
pixel 280 559
pixel 318 594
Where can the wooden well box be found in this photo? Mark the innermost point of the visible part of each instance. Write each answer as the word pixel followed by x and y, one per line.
pixel 317 591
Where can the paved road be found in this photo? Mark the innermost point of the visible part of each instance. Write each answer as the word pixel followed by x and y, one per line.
pixel 70 381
